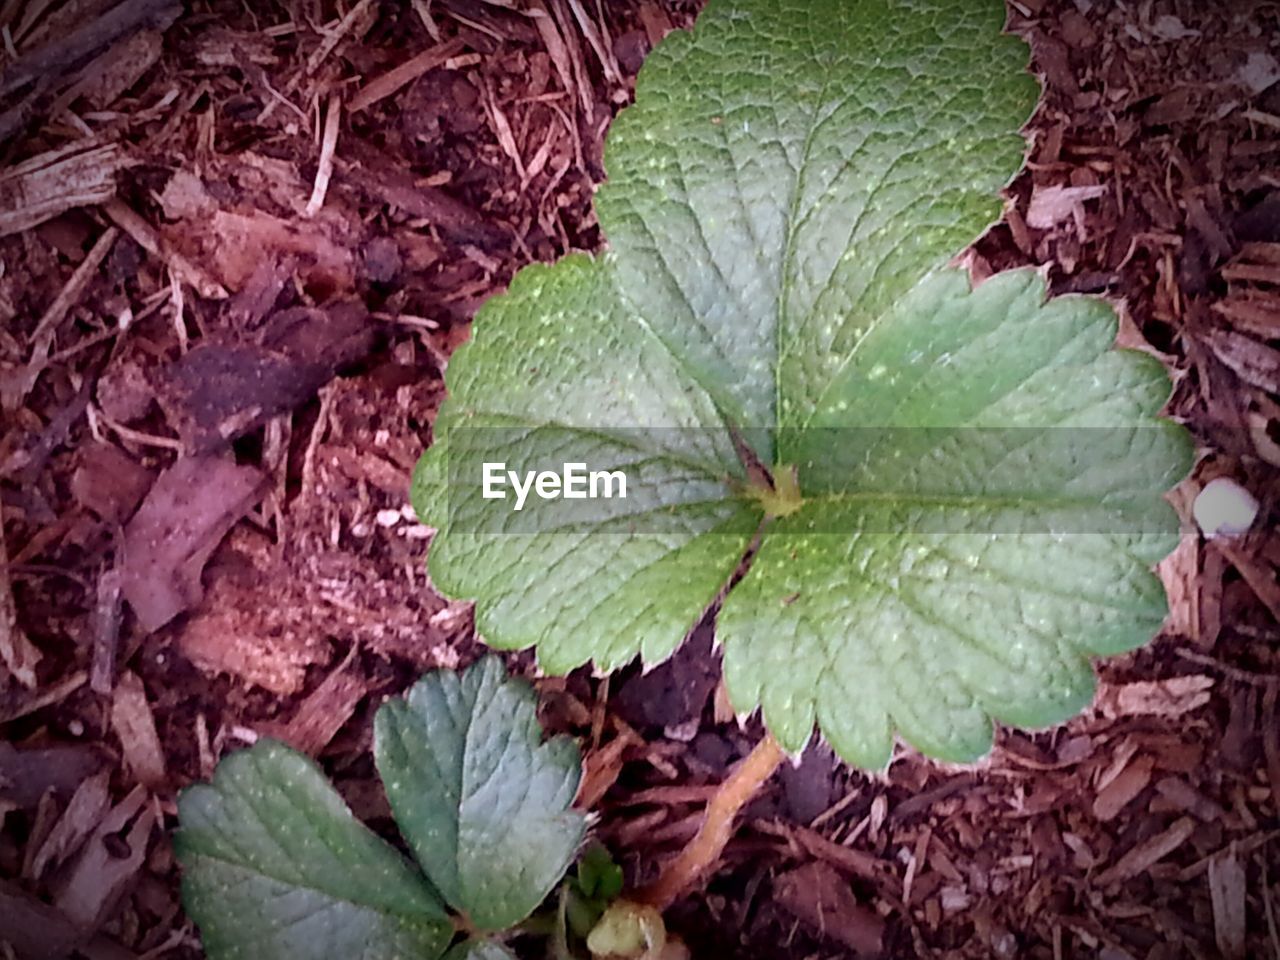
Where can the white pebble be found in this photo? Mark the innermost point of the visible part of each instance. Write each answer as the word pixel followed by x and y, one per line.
pixel 1224 508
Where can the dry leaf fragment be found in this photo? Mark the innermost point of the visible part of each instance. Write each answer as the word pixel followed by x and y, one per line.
pixel 1169 27
pixel 185 196
pixel 237 243
pixel 184 517
pixel 1260 70
pixel 252 629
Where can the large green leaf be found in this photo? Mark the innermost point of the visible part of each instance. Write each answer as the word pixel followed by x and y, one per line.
pixel 275 865
pixel 979 472
pixel 483 802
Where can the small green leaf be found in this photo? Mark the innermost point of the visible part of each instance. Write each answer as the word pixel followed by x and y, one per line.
pixel 598 876
pixel 483 802
pixel 275 867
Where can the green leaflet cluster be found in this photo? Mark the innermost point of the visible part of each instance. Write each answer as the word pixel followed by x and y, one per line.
pixel 275 864
pixel 781 204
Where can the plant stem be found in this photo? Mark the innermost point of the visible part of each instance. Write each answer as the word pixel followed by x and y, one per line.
pixel 702 854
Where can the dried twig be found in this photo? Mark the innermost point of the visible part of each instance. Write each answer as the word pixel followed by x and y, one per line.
pixel 423 9
pixel 329 143
pixel 502 130
pixel 335 36
pixel 106 631
pixel 599 44
pixel 54 315
pixel 573 50
pixel 384 86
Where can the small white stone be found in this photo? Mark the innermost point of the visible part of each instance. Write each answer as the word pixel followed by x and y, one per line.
pixel 1224 508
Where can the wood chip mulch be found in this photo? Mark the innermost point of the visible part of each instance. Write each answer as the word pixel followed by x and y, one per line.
pixel 238 243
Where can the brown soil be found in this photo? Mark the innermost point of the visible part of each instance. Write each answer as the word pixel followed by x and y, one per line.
pixel 290 596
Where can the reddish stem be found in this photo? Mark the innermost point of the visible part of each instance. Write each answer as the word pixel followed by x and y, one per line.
pixel 704 852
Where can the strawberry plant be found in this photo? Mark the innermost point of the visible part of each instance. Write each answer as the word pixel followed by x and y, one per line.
pixel 919 506
pixel 276 866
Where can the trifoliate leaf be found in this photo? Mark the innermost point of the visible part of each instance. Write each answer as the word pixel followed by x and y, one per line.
pixel 482 801
pixel 965 499
pixel 275 867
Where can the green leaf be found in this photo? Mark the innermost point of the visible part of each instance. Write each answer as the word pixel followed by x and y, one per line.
pixel 598 875
pixel 956 595
pixel 483 802
pixel 966 483
pixel 275 866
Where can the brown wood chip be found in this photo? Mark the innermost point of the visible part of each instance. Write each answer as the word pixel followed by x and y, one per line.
pixel 101 874
pixel 1121 791
pixel 327 708
pixel 1160 698
pixel 819 896
pixel 401 76
pixel 82 816
pixel 1141 858
pixel 1227 894
pixel 135 725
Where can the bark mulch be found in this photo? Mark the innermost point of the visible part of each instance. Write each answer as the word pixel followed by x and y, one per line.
pixel 238 245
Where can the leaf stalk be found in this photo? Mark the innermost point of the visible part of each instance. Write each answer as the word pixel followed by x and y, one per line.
pixel 697 859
